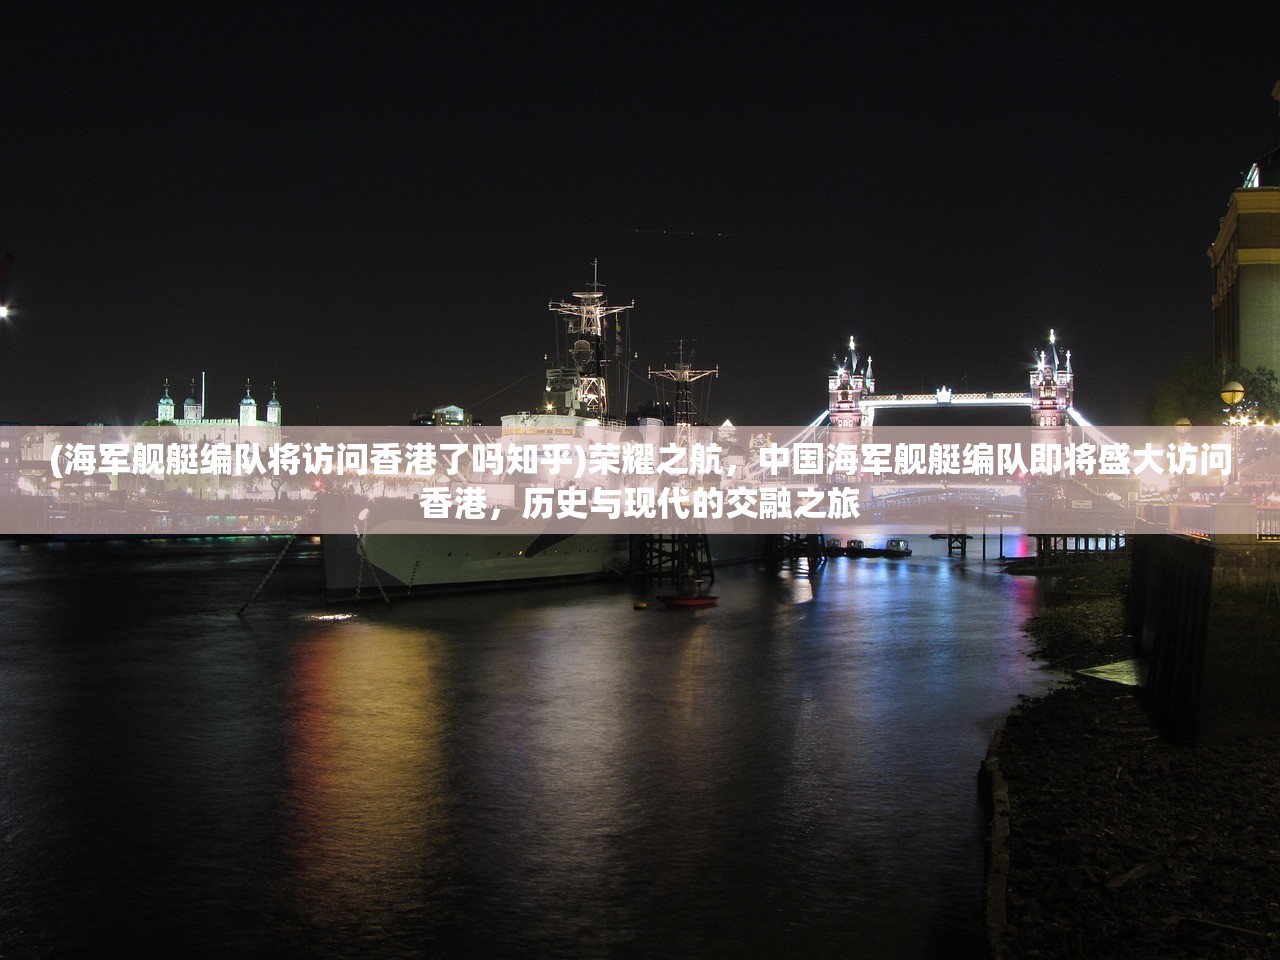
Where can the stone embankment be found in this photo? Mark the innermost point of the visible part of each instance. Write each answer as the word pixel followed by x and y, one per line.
pixel 1110 841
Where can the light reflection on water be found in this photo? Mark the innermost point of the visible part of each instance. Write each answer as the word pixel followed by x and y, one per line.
pixel 365 794
pixel 544 772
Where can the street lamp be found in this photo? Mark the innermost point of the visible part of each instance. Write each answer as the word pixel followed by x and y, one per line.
pixel 1182 426
pixel 1232 394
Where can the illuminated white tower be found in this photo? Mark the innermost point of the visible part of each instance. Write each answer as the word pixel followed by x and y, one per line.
pixel 248 408
pixel 273 408
pixel 192 409
pixel 164 409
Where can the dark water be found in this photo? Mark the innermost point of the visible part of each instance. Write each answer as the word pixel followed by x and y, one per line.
pixel 544 773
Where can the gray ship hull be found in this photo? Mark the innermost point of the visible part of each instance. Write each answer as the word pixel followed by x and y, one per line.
pixel 389 552
pixel 406 563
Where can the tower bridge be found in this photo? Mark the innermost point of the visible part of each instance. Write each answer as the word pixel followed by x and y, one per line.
pixel 1049 399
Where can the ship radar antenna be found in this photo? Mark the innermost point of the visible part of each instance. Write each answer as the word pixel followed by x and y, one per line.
pixel 595 275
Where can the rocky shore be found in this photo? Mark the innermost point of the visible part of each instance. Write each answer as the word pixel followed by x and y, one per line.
pixel 1117 843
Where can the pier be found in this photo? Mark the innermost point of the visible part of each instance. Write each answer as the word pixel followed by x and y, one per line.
pixel 671 557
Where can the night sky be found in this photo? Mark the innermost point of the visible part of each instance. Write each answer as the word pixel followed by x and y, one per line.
pixel 373 206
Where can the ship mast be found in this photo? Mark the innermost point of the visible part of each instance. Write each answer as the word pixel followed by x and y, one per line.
pixel 683 375
pixel 580 387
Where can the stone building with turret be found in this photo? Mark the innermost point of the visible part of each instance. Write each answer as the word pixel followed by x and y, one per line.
pixel 1245 259
pixel 247 427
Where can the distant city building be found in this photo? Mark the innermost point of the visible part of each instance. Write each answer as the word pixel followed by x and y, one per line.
pixel 1245 259
pixel 446 416
pixel 10 454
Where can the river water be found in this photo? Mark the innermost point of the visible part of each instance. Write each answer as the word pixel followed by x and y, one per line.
pixel 534 773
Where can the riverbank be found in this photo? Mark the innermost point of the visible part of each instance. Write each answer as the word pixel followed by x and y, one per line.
pixel 1119 843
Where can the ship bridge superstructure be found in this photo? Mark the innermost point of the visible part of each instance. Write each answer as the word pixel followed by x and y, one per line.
pixel 577 380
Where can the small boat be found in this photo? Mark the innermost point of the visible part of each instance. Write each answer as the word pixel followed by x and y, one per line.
pixel 856 548
pixel 897 547
pixel 690 596
pixel 894 548
pixel 677 602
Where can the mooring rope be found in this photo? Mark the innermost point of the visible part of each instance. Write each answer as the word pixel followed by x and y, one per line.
pixel 287 544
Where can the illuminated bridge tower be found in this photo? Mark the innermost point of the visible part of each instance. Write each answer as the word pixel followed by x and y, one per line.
pixel 1053 387
pixel 845 389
